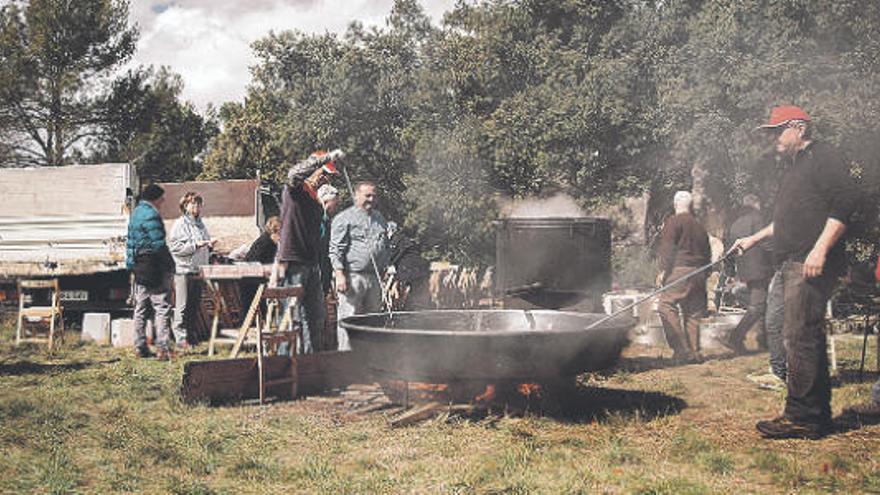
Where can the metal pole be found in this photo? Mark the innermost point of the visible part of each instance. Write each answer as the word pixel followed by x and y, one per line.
pixel 660 290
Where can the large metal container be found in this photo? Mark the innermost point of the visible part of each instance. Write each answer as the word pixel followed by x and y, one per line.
pixel 716 327
pixel 459 345
pixel 552 263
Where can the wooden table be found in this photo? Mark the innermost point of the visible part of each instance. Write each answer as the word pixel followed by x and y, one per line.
pixel 220 277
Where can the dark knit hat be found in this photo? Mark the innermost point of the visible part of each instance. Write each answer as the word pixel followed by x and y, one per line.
pixel 152 192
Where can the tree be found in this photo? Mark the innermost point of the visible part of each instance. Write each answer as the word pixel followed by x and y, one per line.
pixel 599 99
pixel 315 92
pixel 146 123
pixel 724 65
pixel 56 59
pixel 451 204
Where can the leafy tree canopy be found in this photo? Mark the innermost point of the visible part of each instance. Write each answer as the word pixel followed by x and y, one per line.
pixel 597 99
pixel 56 57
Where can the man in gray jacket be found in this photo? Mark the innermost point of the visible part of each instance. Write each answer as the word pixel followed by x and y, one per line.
pixel 358 239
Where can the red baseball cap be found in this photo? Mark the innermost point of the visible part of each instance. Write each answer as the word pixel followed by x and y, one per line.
pixel 784 114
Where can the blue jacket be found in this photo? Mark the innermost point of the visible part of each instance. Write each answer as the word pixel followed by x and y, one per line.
pixel 146 233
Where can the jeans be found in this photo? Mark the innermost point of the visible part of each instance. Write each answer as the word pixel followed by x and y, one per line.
pixel 754 314
pixel 809 383
pixel 773 322
pixel 311 305
pixel 159 298
pixel 364 295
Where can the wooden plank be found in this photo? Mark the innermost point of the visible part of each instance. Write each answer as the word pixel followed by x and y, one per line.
pixel 417 414
pixel 248 320
pixel 235 272
pixel 229 380
pixel 283 292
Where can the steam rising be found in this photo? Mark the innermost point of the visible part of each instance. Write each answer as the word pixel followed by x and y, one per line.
pixel 560 205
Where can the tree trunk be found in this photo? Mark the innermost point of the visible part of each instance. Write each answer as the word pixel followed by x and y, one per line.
pixel 56 158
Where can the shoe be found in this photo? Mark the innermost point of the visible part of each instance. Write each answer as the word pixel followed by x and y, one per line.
pixel 183 346
pixel 782 427
pixel 867 409
pixel 767 381
pixel 144 352
pixel 164 355
pixel 681 358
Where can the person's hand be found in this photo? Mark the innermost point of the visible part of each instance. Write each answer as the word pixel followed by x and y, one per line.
pixel 815 263
pixel 341 281
pixel 743 244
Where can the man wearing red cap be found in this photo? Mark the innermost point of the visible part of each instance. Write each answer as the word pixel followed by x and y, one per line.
pixel 297 261
pixel 813 205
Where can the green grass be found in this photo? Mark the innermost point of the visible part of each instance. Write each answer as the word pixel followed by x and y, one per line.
pixel 96 420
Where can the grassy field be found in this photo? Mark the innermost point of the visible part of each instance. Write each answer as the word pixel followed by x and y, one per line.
pixel 96 420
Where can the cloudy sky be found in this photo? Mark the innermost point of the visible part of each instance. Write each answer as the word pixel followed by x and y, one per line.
pixel 208 41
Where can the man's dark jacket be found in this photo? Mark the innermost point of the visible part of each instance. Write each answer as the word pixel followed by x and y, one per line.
pixel 683 242
pixel 756 263
pixel 262 250
pixel 816 187
pixel 300 241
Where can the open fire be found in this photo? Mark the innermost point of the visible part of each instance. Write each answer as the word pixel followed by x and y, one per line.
pixel 478 398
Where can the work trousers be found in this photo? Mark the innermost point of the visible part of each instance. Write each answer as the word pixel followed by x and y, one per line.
pixel 158 299
pixel 683 330
pixel 809 384
pixel 311 313
pixel 773 323
pixel 755 312
pixel 364 295
pixel 182 282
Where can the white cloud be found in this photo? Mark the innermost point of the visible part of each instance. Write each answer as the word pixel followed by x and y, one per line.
pixel 208 41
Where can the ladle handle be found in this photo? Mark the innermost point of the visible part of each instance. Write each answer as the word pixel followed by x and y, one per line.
pixel 659 290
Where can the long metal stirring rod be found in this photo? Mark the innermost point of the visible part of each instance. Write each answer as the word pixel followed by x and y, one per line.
pixel 658 291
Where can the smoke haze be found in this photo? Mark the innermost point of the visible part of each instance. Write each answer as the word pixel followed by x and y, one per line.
pixel 560 205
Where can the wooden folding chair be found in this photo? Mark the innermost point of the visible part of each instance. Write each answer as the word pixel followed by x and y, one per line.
pixel 34 315
pixel 271 336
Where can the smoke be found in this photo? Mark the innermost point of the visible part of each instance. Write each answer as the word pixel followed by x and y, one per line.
pixel 560 205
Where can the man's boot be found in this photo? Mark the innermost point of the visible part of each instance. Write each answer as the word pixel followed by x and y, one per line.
pixel 783 427
pixel 733 342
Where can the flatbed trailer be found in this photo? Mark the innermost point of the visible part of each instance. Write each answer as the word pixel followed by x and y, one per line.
pixel 71 223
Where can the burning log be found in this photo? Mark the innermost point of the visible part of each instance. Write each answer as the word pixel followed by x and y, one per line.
pixel 529 390
pixel 487 396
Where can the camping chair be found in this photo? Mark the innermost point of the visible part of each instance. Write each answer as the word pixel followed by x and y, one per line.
pixel 39 317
